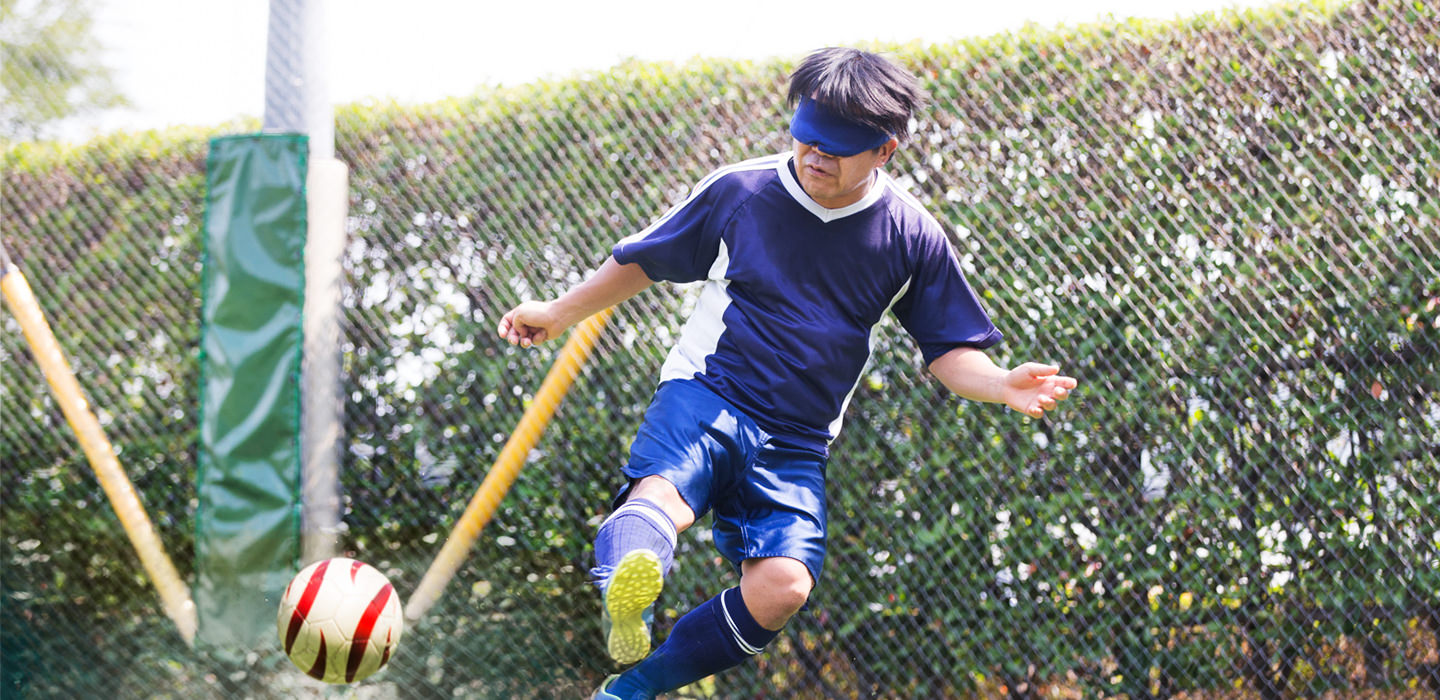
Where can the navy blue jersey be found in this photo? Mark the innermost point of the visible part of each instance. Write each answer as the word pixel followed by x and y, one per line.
pixel 793 291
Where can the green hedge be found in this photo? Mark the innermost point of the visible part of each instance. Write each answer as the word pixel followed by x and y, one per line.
pixel 1225 227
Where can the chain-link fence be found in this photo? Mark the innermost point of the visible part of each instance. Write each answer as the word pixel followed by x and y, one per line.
pixel 1225 227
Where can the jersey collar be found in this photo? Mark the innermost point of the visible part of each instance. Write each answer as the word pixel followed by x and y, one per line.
pixel 787 178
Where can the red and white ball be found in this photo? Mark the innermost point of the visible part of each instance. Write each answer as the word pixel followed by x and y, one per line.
pixel 340 620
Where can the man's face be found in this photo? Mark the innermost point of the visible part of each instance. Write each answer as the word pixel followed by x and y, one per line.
pixel 838 181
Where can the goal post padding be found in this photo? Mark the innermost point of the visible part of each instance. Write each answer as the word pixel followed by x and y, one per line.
pixel 247 530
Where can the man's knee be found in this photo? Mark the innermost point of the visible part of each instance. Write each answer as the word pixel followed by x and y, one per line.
pixel 774 589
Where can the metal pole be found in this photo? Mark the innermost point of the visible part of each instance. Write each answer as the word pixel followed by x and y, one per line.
pixel 296 97
pixel 296 101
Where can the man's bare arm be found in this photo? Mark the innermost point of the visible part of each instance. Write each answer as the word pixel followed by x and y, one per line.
pixel 538 321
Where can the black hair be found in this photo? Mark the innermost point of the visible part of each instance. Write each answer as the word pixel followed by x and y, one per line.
pixel 863 87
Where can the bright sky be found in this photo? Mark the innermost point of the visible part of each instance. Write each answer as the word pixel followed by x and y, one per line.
pixel 202 63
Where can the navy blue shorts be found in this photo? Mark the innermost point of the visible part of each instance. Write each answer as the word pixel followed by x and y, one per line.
pixel 768 498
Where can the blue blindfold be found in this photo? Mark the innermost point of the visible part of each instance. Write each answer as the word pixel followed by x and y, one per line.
pixel 819 126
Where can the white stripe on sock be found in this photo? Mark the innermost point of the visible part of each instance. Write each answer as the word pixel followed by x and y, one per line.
pixel 659 519
pixel 735 630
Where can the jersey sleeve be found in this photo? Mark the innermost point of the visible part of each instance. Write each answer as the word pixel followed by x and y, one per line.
pixel 681 245
pixel 940 310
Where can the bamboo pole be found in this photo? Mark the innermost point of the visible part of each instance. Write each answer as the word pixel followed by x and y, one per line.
pixel 507 465
pixel 174 594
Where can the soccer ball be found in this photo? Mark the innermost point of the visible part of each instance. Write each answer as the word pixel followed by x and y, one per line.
pixel 339 620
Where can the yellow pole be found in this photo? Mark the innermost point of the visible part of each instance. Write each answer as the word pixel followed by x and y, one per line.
pixel 174 594
pixel 507 466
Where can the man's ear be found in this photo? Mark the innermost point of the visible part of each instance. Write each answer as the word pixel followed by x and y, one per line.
pixel 888 149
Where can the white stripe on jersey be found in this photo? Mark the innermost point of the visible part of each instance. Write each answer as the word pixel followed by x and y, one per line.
pixel 909 200
pixel 874 340
pixel 701 334
pixel 764 163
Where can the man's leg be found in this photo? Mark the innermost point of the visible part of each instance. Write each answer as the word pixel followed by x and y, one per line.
pixel 775 588
pixel 722 632
pixel 633 551
pixel 661 492
pixel 651 517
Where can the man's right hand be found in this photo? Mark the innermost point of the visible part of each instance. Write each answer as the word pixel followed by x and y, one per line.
pixel 529 323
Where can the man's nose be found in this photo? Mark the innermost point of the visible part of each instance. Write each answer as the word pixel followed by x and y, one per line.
pixel 822 155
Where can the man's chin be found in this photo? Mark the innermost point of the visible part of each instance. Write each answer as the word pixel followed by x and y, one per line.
pixel 816 190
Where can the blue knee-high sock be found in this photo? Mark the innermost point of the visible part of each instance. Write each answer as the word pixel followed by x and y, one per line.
pixel 717 635
pixel 638 524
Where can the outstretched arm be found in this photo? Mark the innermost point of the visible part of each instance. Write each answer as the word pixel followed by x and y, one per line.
pixel 1031 388
pixel 538 321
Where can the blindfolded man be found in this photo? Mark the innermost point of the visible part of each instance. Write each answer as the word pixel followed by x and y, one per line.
pixel 801 254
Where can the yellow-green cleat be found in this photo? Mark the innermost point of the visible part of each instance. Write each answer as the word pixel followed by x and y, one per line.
pixel 629 592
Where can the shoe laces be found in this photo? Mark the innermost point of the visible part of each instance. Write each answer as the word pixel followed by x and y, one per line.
pixel 600 576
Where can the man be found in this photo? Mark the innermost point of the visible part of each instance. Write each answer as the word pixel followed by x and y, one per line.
pixel 802 253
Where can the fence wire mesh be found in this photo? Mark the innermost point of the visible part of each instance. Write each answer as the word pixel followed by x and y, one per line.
pixel 1225 227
